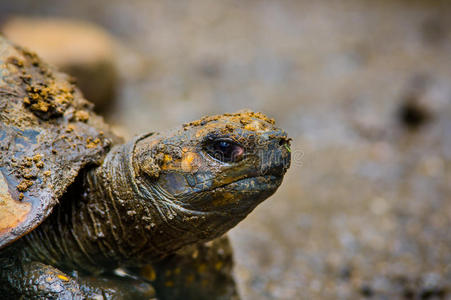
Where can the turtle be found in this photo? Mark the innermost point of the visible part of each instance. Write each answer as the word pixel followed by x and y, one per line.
pixel 85 214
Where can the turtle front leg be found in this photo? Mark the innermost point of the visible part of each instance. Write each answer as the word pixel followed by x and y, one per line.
pixel 197 272
pixel 35 280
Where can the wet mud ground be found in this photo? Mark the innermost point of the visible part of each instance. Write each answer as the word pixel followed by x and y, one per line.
pixel 362 87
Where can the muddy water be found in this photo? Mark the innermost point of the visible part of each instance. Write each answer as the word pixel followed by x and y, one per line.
pixel 363 87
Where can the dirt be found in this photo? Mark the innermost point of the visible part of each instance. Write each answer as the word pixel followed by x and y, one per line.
pixel 37 105
pixel 363 89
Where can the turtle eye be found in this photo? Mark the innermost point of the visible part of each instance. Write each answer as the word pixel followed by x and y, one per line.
pixel 225 150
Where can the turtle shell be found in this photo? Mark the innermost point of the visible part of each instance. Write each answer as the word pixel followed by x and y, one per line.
pixel 48 133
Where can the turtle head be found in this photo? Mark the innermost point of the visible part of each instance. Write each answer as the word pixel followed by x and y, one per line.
pixel 218 168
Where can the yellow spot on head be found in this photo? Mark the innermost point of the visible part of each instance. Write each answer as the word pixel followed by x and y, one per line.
pixel 218 265
pixel 167 158
pixel 188 161
pixel 62 277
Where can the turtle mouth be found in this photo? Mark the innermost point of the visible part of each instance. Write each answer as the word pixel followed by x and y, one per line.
pixel 253 184
pixel 240 197
pixel 249 189
pixel 233 200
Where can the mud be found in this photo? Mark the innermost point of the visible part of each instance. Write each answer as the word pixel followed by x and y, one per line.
pixel 365 209
pixel 38 162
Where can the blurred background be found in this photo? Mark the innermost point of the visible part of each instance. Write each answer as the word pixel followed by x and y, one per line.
pixel 363 88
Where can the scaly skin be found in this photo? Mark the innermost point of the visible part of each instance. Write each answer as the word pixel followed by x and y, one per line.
pixel 149 198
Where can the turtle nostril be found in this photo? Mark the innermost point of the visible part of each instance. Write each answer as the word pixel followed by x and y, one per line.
pixel 285 142
pixel 276 159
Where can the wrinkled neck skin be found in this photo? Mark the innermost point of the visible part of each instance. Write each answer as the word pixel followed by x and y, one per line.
pixel 147 222
pixel 122 219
